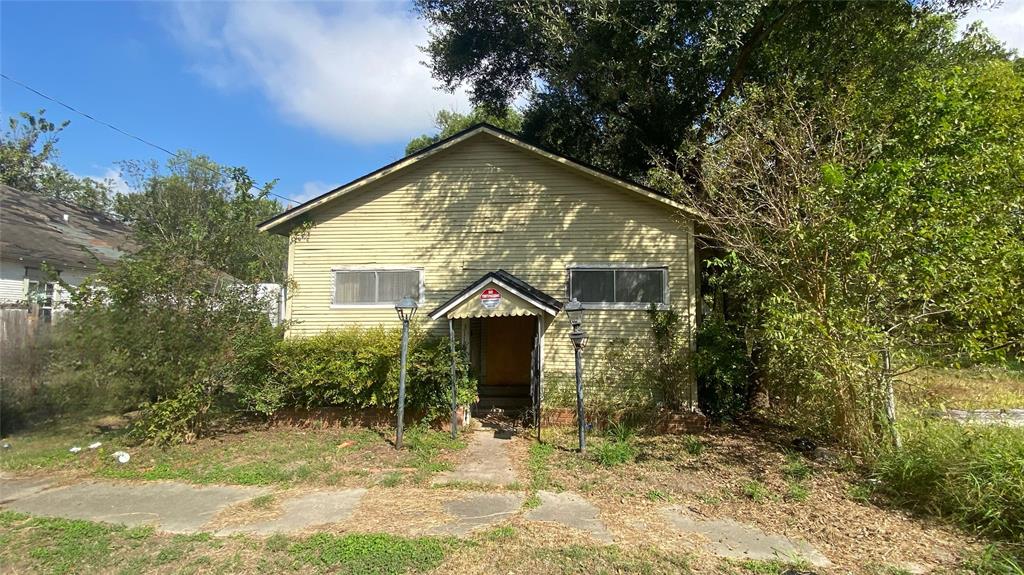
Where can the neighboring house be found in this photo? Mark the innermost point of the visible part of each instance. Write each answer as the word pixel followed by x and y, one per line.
pixel 495 235
pixel 39 233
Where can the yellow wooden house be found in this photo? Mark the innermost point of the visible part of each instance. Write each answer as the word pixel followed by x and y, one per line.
pixel 492 236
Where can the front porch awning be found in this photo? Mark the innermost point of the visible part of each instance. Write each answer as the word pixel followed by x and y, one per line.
pixel 497 294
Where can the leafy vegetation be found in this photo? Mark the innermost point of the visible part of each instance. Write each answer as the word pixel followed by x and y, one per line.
pixel 450 123
pixel 374 554
pixel 973 475
pixel 29 161
pixel 354 368
pixel 855 168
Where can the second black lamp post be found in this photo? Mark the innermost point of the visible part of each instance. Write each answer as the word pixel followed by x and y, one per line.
pixel 574 309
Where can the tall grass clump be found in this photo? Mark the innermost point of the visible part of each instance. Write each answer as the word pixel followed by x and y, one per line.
pixel 973 475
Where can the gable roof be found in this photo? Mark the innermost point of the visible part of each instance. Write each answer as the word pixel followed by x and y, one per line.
pixel 38 228
pixel 525 291
pixel 276 223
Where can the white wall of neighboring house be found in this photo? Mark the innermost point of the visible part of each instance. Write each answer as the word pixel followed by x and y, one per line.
pixel 12 282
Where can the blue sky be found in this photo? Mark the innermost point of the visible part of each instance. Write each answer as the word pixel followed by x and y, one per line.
pixel 314 94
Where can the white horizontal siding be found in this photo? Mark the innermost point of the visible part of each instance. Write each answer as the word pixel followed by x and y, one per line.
pixel 12 281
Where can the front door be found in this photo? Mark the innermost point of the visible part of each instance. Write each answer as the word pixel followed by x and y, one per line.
pixel 506 362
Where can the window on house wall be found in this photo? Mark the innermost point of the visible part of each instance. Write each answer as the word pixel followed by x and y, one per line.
pixel 376 287
pixel 40 292
pixel 619 287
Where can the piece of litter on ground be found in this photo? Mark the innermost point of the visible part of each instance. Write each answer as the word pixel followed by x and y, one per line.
pixel 75 449
pixel 95 445
pixel 122 457
pixel 346 443
pixel 7 445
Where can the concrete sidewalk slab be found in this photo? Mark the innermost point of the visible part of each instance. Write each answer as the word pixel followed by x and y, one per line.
pixel 571 510
pixel 168 506
pixel 479 511
pixel 734 540
pixel 12 488
pixel 305 511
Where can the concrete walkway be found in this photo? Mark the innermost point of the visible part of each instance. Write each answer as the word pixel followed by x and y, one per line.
pixel 734 540
pixel 185 508
pixel 485 461
pixel 170 507
pixel 571 510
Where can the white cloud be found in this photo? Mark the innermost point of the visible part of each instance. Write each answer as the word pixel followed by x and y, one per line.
pixel 351 70
pixel 1005 22
pixel 111 177
pixel 311 190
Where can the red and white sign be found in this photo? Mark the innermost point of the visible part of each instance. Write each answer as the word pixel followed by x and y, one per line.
pixel 490 298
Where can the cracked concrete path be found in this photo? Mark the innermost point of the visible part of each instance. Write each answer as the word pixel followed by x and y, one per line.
pixel 479 511
pixel 486 460
pixel 168 506
pixel 12 488
pixel 571 510
pixel 305 511
pixel 733 540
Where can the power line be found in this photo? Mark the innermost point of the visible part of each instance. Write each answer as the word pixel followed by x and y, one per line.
pixel 130 135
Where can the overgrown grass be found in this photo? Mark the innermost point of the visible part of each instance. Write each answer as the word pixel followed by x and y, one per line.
pixel 250 456
pixel 43 545
pixel 617 448
pixel 973 475
pixel 373 554
pixel 59 546
pixel 756 491
pixel 537 463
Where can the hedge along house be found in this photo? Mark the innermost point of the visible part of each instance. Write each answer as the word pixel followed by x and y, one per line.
pixel 492 235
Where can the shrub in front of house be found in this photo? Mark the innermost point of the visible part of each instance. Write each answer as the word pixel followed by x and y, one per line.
pixel 354 368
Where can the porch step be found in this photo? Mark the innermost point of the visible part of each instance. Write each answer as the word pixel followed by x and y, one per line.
pixel 503 402
pixel 503 390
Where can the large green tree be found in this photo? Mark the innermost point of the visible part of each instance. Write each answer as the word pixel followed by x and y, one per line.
pixel 450 123
pixel 29 161
pixel 625 84
pixel 198 209
pixel 884 220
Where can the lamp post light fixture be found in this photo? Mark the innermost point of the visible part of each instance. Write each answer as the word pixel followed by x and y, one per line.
pixel 574 309
pixel 406 308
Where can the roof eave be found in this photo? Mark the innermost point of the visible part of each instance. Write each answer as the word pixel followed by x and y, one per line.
pixel 276 224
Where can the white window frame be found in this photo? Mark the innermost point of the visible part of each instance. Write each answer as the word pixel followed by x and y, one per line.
pixel 663 268
pixel 395 268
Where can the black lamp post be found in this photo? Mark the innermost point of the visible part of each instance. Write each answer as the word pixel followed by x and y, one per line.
pixel 406 308
pixel 574 310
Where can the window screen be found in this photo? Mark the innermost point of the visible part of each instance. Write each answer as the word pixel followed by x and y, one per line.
pixel 375 286
pixel 618 285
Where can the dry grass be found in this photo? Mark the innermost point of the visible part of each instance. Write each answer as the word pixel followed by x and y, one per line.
pixel 748 476
pixel 254 455
pixel 972 388
pixel 717 484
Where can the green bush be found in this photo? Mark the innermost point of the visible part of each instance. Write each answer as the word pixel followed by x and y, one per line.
pixel 973 475
pixel 161 333
pixel 353 368
pixel 723 369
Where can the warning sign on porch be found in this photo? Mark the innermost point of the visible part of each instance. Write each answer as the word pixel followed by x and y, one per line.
pixel 490 298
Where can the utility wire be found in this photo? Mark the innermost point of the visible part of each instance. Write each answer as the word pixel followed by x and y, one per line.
pixel 130 135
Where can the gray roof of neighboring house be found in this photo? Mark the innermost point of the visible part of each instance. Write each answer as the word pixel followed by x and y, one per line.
pixel 36 228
